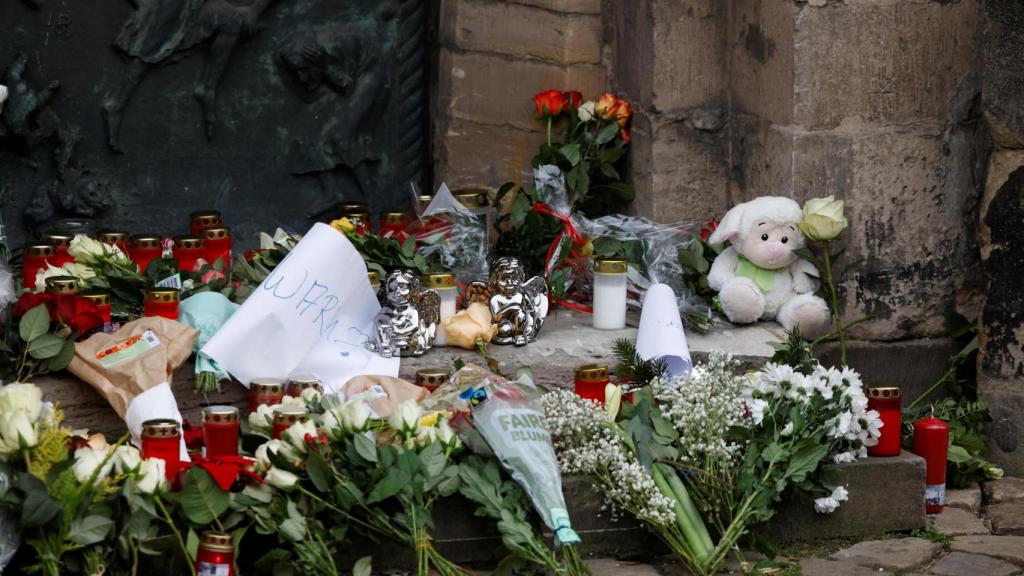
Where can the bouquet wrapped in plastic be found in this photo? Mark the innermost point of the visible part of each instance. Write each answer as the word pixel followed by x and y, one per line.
pixel 451 237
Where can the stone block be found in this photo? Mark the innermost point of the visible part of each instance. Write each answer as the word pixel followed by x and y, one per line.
pixel 567 6
pixel 761 52
pixel 762 157
pixel 959 563
pixel 897 555
pixel 957 522
pixel 880 62
pixel 822 567
pixel 490 89
pixel 472 154
pixel 687 45
pixel 1006 518
pixel 1009 548
pixel 1002 76
pixel 1003 490
pixel 886 495
pixel 483 26
pixel 966 499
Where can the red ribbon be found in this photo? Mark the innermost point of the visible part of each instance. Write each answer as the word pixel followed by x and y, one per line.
pixel 577 240
pixel 225 469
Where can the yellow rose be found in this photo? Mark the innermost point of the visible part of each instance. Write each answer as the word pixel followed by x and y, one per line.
pixel 465 326
pixel 343 225
pixel 823 218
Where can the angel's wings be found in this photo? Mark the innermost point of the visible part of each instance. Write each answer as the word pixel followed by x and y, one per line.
pixel 478 292
pixel 429 306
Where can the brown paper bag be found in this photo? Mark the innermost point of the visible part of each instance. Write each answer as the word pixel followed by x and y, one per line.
pixel 139 356
pixel 385 392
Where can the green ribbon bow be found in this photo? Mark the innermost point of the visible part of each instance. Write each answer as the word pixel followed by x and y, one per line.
pixel 763 277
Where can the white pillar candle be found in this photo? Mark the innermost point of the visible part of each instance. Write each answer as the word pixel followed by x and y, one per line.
pixel 444 284
pixel 609 294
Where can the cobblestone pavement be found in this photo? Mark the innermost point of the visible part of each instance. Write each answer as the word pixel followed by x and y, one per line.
pixel 979 533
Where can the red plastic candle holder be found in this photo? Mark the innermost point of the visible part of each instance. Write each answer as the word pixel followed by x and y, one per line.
pixel 286 416
pixel 202 219
pixel 35 258
pixel 161 438
pixel 931 442
pixel 144 249
pixel 61 241
pixel 215 555
pixel 432 378
pixel 187 250
pixel 116 238
pixel 298 384
pixel 218 245
pixel 590 381
pixel 886 400
pixel 161 302
pixel 391 223
pixel 220 431
pixel 102 301
pixel 267 391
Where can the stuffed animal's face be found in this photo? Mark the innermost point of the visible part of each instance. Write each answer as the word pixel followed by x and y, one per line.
pixel 770 245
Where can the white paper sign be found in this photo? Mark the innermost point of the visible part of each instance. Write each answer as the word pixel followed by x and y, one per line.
pixel 661 332
pixel 313 314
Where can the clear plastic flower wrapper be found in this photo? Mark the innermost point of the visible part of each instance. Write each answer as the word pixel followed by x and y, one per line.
pixel 451 237
pixel 510 418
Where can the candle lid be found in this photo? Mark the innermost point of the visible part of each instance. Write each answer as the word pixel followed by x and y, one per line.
pixel 290 414
pixel 610 266
pixel 188 241
pixel 62 285
pixel 883 392
pixel 392 217
pixel 217 541
pixel 96 296
pixel 352 206
pixel 266 386
pixel 40 249
pixel 217 233
pixel 374 277
pixel 220 414
pixel 425 199
pixel 146 241
pixel 57 238
pixel 300 383
pixel 432 376
pixel 472 197
pixel 165 295
pixel 113 236
pixel 160 428
pixel 592 372
pixel 205 218
pixel 441 280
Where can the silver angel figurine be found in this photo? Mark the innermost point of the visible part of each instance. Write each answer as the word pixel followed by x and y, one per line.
pixel 518 306
pixel 408 316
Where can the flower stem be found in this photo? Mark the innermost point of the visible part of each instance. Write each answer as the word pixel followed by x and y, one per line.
pixel 840 331
pixel 177 534
pixel 549 131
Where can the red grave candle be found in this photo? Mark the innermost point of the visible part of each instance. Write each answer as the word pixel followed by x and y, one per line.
pixel 215 555
pixel 220 431
pixel 188 249
pixel 144 249
pixel 432 378
pixel 391 223
pixel 161 438
pixel 62 242
pixel 202 219
pixel 267 391
pixel 102 301
pixel 218 244
pixel 358 214
pixel 35 258
pixel 64 289
pixel 931 442
pixel 116 238
pixel 886 400
pixel 590 380
pixel 161 302
pixel 285 416
pixel 297 384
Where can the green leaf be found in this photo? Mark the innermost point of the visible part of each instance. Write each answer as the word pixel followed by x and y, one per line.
pixel 610 155
pixel 610 171
pixel 38 509
pixel 62 359
pixel 958 455
pixel 90 530
pixel 365 447
pixel 192 544
pixel 363 566
pixel 390 485
pixel 34 323
pixel 607 133
pixel 409 246
pixel 805 460
pixel 319 471
pixel 571 153
pixel 201 499
pixel 45 346
pixel 433 459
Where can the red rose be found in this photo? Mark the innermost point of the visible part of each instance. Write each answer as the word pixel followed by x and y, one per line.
pixel 708 228
pixel 79 313
pixel 624 134
pixel 549 103
pixel 573 99
pixel 30 300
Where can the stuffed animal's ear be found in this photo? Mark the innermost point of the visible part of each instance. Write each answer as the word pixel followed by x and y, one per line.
pixel 729 227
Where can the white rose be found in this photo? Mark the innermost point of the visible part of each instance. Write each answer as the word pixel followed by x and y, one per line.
pixel 26 398
pixel 262 419
pixel 17 432
pixel 446 435
pixel 354 415
pixel 281 479
pixel 330 423
pixel 85 249
pixel 586 111
pixel 3 93
pixel 126 459
pixel 295 435
pixel 612 400
pixel 151 476
pixel 406 417
pixel 823 218
pixel 87 461
pixel 262 458
pixel 425 436
pixel 311 395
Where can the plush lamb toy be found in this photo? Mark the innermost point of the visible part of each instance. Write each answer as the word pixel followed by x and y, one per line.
pixel 759 276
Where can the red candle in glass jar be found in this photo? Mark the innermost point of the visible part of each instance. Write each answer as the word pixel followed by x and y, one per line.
pixel 218 244
pixel 116 238
pixel 391 223
pixel 144 249
pixel 62 241
pixel 285 416
pixel 188 249
pixel 297 384
pixel 63 288
pixel 220 431
pixel 161 438
pixel 161 302
pixel 102 301
pixel 215 555
pixel 358 214
pixel 931 442
pixel 886 400
pixel 432 378
pixel 35 258
pixel 267 391
pixel 590 380
pixel 202 219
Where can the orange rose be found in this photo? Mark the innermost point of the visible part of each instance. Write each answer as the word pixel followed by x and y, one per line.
pixel 549 103
pixel 622 111
pixel 624 134
pixel 604 106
